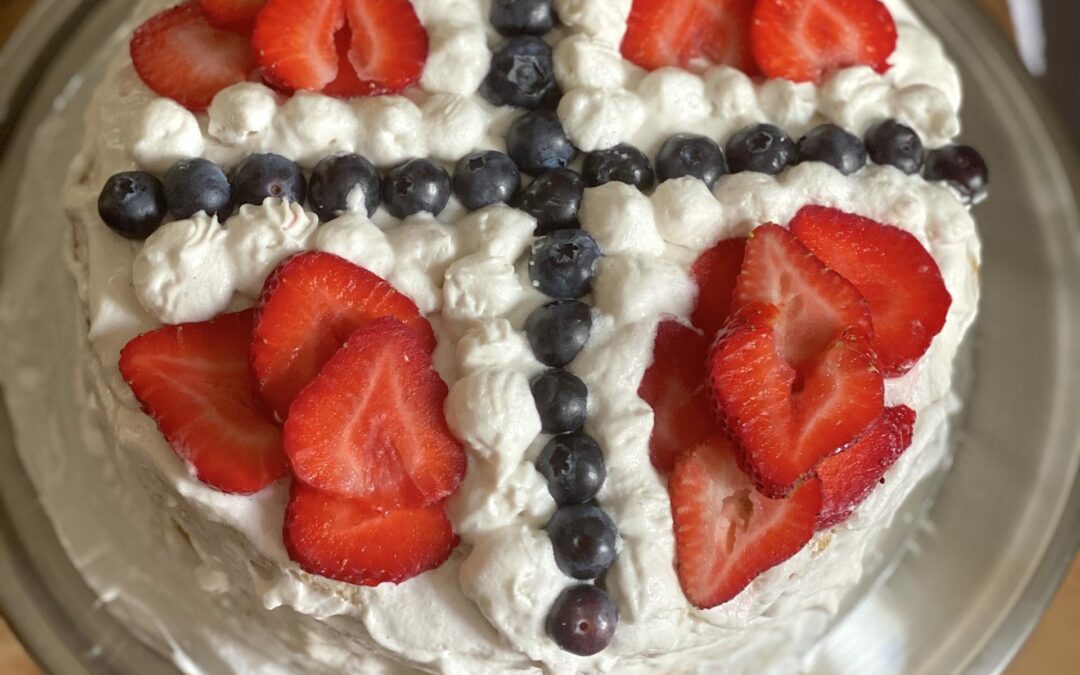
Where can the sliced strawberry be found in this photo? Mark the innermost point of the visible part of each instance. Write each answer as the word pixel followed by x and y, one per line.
pixel 894 272
pixel 309 307
pixel 804 40
pixel 194 380
pixel 389 45
pixel 689 33
pixel 341 539
pixel 179 55
pixel 371 426
pixel 726 532
pixel 235 15
pixel 294 42
pixel 675 387
pixel 715 273
pixel 849 477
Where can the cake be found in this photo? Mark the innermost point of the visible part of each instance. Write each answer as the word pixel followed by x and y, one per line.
pixel 525 336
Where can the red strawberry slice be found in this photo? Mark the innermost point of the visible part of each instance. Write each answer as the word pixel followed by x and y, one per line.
pixel 689 33
pixel 892 270
pixel 715 273
pixel 309 307
pixel 294 42
pixel 235 15
pixel 675 387
pixel 803 40
pixel 849 477
pixel 194 380
pixel 341 539
pixel 726 532
pixel 389 45
pixel 179 55
pixel 371 426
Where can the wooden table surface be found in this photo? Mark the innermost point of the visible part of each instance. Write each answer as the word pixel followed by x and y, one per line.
pixel 1052 650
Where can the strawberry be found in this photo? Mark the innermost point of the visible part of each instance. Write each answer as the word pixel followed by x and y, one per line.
pixel 179 55
pixel 726 532
pixel 894 272
pixel 848 477
pixel 804 40
pixel 194 380
pixel 294 42
pixel 235 15
pixel 674 386
pixel 715 273
pixel 309 307
pixel 371 426
pixel 389 45
pixel 689 33
pixel 341 539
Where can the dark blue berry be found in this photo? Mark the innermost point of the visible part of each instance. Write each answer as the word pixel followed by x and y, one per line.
pixel 522 74
pixel 194 185
pixel 485 178
pixel 558 332
pixel 574 468
pixel 418 185
pixel 563 264
pixel 132 204
pixel 834 146
pixel 554 199
pixel 893 144
pixel 582 621
pixel 963 168
pixel 260 177
pixel 537 143
pixel 763 148
pixel 562 401
pixel 691 155
pixel 522 17
pixel 584 539
pixel 624 164
pixel 334 182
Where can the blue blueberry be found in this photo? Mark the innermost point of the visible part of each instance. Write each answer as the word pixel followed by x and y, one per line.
pixel 890 143
pixel 831 144
pixel 194 185
pixel 563 264
pixel 554 199
pixel 583 620
pixel 562 401
pixel 574 468
pixel 763 148
pixel 132 204
pixel 624 164
pixel 522 17
pixel 557 332
pixel 260 177
pixel 334 183
pixel 963 168
pixel 537 143
pixel 584 539
pixel 522 74
pixel 418 185
pixel 691 155
pixel 484 178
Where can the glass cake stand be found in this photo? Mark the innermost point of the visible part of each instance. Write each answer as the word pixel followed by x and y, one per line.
pixel 971 562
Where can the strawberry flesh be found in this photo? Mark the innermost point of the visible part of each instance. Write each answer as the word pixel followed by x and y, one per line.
pixel 389 45
pixel 715 272
pixel 689 34
pixel 235 15
pixel 294 42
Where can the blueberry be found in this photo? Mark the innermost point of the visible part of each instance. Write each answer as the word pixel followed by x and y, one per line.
pixel 522 74
pixel 554 199
pixel 558 332
pixel 763 148
pixel 194 185
pixel 624 163
pixel 517 17
pixel 339 183
pixel 893 144
pixel 562 401
pixel 132 204
pixel 563 264
pixel 416 186
pixel 963 168
pixel 485 178
pixel 574 468
pixel 691 155
pixel 260 177
pixel 584 539
pixel 537 142
pixel 834 146
pixel 582 621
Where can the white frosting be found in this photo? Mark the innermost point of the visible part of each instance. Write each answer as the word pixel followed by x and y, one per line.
pixel 260 237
